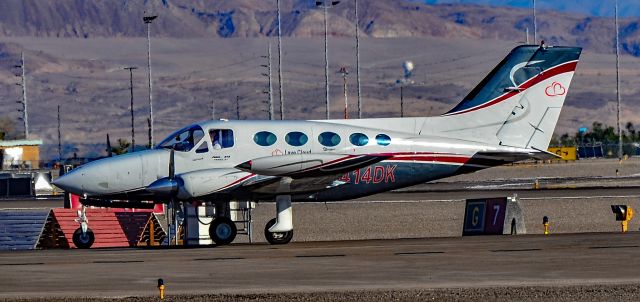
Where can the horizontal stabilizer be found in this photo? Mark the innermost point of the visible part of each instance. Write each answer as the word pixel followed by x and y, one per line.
pixel 511 156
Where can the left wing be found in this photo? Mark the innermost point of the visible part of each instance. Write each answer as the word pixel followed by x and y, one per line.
pixel 272 185
pixel 299 166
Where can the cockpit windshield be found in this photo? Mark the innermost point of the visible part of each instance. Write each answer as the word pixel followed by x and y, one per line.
pixel 183 140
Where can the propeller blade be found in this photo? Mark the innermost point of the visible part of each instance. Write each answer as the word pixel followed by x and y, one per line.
pixel 172 167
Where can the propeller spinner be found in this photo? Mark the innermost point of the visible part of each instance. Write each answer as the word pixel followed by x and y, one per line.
pixel 166 186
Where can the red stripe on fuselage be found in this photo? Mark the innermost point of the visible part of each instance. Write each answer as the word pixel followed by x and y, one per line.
pixel 329 163
pixel 560 69
pixel 236 182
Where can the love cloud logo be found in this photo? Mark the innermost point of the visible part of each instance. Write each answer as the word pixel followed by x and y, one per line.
pixel 555 89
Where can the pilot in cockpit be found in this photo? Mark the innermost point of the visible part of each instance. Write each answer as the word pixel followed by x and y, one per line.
pixel 215 138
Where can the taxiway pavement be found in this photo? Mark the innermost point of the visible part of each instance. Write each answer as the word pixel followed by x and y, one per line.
pixel 403 264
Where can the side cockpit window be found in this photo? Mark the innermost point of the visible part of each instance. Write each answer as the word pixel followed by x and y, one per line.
pixel 203 148
pixel 183 140
pixel 221 138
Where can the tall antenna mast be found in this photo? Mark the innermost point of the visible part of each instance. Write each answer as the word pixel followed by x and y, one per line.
pixel 147 20
pixel 618 81
pixel 23 83
pixel 358 60
pixel 270 83
pixel 280 91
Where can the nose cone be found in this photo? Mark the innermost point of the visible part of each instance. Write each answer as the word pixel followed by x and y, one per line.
pixel 104 177
pixel 70 182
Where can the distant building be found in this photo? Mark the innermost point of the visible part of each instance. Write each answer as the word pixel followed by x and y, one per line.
pixel 20 154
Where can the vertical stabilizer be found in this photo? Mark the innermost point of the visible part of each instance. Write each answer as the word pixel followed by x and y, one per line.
pixel 519 102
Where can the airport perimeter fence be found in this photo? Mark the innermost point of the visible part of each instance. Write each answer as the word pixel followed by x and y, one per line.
pixel 607 150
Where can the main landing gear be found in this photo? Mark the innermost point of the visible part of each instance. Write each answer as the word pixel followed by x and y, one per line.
pixel 279 230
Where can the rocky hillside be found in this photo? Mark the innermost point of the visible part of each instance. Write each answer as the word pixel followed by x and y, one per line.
pixel 301 18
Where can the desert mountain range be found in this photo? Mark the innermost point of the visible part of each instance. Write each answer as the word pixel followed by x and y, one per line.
pixel 301 18
pixel 211 52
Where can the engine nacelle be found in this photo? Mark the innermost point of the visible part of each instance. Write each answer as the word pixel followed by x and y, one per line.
pixel 204 182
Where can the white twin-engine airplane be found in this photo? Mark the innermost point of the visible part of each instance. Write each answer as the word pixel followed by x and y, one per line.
pixel 510 116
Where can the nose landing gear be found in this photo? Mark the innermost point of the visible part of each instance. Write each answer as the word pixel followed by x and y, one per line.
pixel 83 237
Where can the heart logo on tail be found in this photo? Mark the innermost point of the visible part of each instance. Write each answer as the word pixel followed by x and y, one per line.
pixel 555 89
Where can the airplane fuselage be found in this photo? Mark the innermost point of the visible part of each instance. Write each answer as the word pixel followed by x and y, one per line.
pixel 510 116
pixel 410 158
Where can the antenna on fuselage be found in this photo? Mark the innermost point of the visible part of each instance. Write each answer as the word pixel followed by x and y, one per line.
pixel 109 150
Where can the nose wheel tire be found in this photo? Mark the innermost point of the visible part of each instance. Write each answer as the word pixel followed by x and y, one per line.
pixel 278 237
pixel 222 231
pixel 83 241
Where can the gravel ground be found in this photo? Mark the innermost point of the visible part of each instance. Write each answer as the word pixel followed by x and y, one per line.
pixel 423 218
pixel 581 168
pixel 420 219
pixel 630 292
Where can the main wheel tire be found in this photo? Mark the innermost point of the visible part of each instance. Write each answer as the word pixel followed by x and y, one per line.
pixel 83 241
pixel 277 237
pixel 222 230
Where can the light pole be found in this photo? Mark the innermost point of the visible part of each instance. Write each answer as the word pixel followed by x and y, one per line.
pixel 280 90
pixel 147 20
pixel 59 138
pixel 325 7
pixel 133 132
pixel 401 100
pixel 358 59
pixel 237 107
pixel 535 24
pixel 343 71
pixel 618 80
